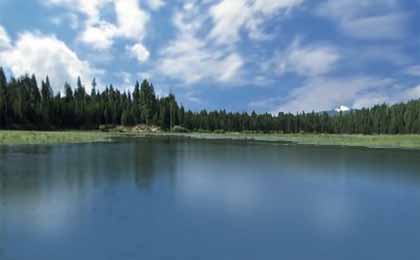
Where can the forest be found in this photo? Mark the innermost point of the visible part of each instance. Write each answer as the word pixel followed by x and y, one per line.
pixel 25 105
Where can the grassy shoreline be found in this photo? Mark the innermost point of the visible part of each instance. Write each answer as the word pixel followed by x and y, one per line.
pixel 52 137
pixel 71 137
pixel 368 141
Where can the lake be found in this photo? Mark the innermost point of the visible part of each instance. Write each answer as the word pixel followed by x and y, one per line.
pixel 166 198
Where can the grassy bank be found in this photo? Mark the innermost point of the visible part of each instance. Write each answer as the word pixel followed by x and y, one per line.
pixel 63 137
pixel 373 141
pixel 369 141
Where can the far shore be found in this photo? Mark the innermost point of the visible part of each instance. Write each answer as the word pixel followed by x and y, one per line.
pixel 368 141
pixel 71 137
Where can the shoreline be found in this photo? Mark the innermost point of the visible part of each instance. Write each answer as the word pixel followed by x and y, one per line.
pixel 406 142
pixel 26 137
pixel 409 142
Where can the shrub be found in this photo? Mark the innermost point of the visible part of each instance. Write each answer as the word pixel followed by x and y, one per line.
pixel 179 129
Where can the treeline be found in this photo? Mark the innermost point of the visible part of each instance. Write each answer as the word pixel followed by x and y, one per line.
pixel 25 105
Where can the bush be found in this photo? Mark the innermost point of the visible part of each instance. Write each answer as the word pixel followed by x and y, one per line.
pixel 202 131
pixel 106 128
pixel 179 129
pixel 219 131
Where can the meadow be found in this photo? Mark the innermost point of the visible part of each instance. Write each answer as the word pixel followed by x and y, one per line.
pixel 52 137
pixel 70 137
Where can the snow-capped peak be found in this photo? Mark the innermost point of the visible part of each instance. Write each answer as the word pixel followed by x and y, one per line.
pixel 342 109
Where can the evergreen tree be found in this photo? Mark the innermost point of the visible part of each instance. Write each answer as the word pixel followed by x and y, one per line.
pixel 3 99
pixel 46 101
pixel 147 100
pixel 24 106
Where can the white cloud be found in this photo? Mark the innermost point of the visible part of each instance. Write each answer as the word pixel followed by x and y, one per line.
pixel 389 96
pixel 272 6
pixel 230 17
pixel 323 94
pixel 229 66
pixel 370 100
pixel 190 58
pixel 4 39
pixel 375 19
pixel 99 36
pixel 90 8
pixel 131 21
pixel 196 55
pixel 307 61
pixel 413 93
pixel 155 4
pixel 131 24
pixel 140 52
pixel 46 55
pixel 189 6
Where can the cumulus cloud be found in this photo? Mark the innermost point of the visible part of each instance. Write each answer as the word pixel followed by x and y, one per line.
pixel 131 24
pixel 307 60
pixel 131 21
pixel 99 36
pixel 230 17
pixel 46 56
pixel 376 19
pixel 140 52
pixel 4 39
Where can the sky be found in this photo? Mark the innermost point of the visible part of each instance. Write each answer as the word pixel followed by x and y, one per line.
pixel 238 55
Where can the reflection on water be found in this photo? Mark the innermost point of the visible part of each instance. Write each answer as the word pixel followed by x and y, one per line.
pixel 157 198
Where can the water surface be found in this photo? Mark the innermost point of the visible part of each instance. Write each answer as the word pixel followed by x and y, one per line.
pixel 183 199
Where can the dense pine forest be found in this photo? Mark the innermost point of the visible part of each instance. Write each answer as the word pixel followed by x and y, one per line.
pixel 25 105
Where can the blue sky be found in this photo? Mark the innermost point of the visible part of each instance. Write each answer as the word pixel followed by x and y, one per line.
pixel 241 55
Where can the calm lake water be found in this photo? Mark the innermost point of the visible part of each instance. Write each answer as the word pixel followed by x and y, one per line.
pixel 181 199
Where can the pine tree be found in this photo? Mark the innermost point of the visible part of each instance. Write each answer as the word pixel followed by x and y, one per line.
pixel 46 101
pixel 147 101
pixel 3 100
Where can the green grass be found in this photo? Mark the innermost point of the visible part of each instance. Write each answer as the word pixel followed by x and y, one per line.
pixel 59 137
pixel 64 137
pixel 370 141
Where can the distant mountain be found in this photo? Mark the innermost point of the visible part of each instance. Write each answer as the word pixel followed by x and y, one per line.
pixel 338 110
pixel 342 109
